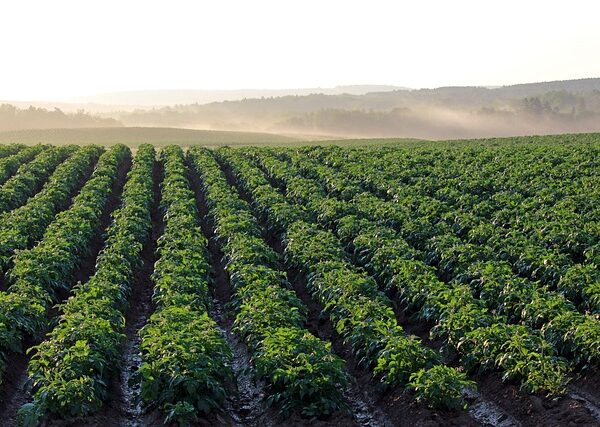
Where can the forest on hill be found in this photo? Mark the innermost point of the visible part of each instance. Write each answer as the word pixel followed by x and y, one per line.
pixel 448 112
pixel 571 106
pixel 14 118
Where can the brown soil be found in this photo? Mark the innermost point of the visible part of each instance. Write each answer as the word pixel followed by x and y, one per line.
pixel 244 405
pixel 13 390
pixel 526 409
pixel 532 410
pixel 123 407
pixel 371 403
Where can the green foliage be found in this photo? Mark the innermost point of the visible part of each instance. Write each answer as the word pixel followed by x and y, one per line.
pixel 9 165
pixel 519 354
pixel 401 357
pixel 469 243
pixel 300 370
pixel 303 373
pixel 441 232
pixel 71 369
pixel 30 177
pixel 360 312
pixel 185 359
pixel 441 387
pixel 21 227
pixel 493 244
pixel 40 271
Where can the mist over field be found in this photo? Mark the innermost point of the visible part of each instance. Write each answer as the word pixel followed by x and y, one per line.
pixel 430 69
pixel 571 106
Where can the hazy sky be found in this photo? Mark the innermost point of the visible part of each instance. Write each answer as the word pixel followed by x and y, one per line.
pixel 59 49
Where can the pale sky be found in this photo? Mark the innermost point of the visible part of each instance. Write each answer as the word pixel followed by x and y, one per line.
pixel 60 49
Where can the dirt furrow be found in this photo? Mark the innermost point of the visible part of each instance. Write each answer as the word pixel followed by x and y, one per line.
pixel 126 388
pixel 489 405
pixel 590 402
pixel 245 407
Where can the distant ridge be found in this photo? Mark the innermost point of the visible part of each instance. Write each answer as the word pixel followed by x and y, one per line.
pixel 163 98
pixel 573 86
pixel 568 106
pixel 158 98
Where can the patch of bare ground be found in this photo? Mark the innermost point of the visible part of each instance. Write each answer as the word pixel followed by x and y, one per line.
pixel 245 405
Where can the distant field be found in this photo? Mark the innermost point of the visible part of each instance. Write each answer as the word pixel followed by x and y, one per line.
pixel 160 137
pixel 135 136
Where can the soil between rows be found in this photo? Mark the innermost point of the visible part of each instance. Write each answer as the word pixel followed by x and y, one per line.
pixel 529 410
pixel 247 408
pixel 244 405
pixel 123 407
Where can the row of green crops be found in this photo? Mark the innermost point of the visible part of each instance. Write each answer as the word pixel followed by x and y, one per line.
pixel 9 165
pixel 9 150
pixel 301 371
pixel 70 370
pixel 491 280
pixel 458 315
pixel 31 176
pixel 494 248
pixel 360 313
pixel 22 227
pixel 185 360
pixel 39 272
pixel 541 218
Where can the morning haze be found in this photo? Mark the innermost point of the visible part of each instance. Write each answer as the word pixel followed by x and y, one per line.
pixel 337 69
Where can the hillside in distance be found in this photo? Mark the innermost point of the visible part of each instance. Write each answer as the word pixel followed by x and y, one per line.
pixel 361 111
pixel 13 118
pixel 446 112
pixel 151 98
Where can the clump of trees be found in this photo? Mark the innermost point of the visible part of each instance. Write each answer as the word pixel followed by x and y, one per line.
pixel 13 118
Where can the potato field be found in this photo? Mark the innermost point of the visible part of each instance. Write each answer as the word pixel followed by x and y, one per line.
pixel 424 284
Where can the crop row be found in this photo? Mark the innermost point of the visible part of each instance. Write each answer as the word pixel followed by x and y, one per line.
pixel 22 227
pixel 70 370
pixel 549 201
pixel 546 233
pixel 38 273
pixel 360 313
pixel 458 315
pixel 491 280
pixel 31 176
pixel 301 371
pixel 185 360
pixel 10 149
pixel 9 165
